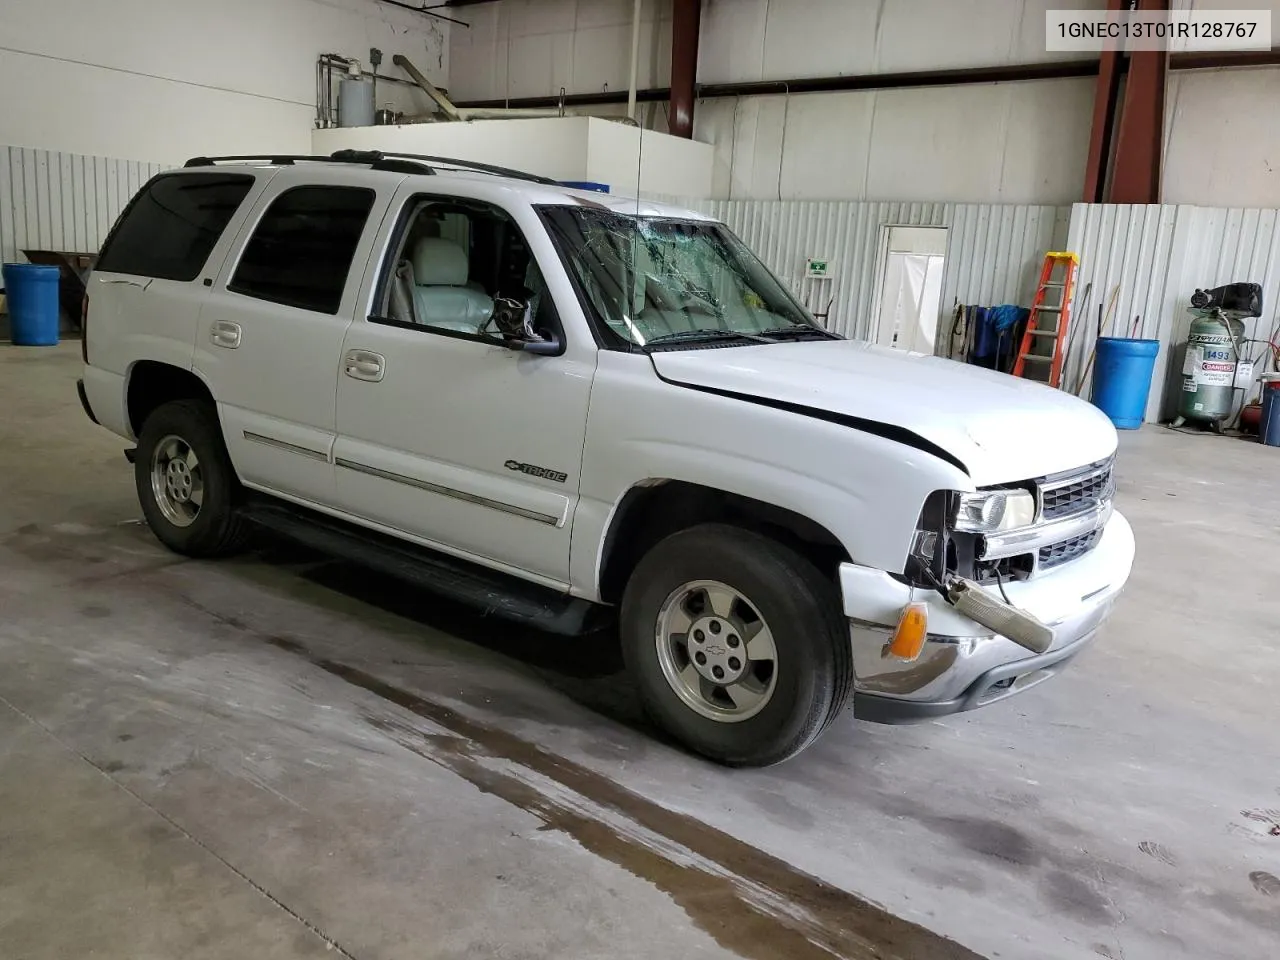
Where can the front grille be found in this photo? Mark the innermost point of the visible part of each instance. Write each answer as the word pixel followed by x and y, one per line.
pixel 1076 494
pixel 1004 570
pixel 1068 550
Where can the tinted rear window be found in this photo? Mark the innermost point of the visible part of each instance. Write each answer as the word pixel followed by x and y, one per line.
pixel 301 250
pixel 171 226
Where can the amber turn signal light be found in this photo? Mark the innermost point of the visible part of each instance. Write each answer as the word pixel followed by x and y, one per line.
pixel 908 638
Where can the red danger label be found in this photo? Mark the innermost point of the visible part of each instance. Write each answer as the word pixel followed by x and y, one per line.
pixel 1218 367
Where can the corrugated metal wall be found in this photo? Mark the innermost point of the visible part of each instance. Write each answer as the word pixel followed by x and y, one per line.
pixel 994 252
pixel 59 201
pixel 62 201
pixel 1155 257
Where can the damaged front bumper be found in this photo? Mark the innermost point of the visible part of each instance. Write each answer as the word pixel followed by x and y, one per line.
pixel 964 665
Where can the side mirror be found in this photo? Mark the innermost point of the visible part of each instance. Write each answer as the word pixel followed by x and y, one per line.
pixel 514 320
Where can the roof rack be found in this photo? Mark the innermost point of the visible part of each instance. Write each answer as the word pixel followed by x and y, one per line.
pixel 376 160
pixel 460 164
pixel 380 160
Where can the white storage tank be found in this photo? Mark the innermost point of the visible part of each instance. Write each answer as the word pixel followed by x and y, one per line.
pixel 355 102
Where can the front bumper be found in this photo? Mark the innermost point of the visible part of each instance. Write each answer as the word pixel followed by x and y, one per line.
pixel 964 665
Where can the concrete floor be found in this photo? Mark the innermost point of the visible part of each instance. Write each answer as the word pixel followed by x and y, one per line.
pixel 283 756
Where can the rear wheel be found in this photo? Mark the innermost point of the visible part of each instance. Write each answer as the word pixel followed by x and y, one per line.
pixel 186 484
pixel 737 644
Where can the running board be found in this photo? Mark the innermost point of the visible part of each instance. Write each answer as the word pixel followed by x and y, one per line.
pixel 493 593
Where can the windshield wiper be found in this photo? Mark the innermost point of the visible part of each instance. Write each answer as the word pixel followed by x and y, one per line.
pixel 694 336
pixel 798 330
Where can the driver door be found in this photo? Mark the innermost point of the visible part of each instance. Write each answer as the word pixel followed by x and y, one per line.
pixel 442 435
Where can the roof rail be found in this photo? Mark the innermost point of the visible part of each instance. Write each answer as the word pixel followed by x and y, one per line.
pixel 279 159
pixel 380 160
pixel 460 164
pixel 376 160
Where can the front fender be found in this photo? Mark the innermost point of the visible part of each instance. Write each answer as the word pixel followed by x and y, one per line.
pixel 865 489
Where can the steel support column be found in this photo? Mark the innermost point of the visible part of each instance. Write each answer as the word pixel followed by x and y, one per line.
pixel 1105 99
pixel 686 21
pixel 1135 171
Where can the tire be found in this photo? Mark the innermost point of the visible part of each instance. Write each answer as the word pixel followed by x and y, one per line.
pixel 211 527
pixel 776 709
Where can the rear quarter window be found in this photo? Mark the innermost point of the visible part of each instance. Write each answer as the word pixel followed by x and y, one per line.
pixel 171 226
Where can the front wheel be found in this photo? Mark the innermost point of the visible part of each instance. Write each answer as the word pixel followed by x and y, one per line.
pixel 737 644
pixel 186 484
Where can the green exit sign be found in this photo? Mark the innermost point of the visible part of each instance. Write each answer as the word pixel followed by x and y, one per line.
pixel 817 268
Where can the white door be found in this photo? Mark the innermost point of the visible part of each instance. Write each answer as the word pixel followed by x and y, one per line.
pixel 270 335
pixel 910 294
pixel 442 435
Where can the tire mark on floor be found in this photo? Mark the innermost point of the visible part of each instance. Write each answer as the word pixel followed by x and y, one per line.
pixel 1267 884
pixel 1158 852
pixel 750 901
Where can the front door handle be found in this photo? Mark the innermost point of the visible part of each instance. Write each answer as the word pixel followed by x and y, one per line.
pixel 224 333
pixel 365 365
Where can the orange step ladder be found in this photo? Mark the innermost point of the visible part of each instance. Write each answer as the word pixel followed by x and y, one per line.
pixel 1049 319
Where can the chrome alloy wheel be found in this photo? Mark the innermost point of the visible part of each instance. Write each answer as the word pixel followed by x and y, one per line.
pixel 176 481
pixel 716 651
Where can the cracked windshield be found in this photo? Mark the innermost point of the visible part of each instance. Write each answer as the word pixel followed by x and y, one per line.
pixel 653 281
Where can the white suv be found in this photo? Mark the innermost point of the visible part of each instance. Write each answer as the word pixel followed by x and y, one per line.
pixel 568 409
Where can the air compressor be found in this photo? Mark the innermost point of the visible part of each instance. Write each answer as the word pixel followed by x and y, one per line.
pixel 1213 367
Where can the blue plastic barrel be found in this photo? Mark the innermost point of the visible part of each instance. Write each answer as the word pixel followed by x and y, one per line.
pixel 32 292
pixel 1269 425
pixel 1122 379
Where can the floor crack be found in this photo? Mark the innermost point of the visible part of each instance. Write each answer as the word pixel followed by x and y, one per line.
pixel 329 941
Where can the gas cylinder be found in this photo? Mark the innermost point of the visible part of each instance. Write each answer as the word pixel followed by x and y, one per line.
pixel 1209 371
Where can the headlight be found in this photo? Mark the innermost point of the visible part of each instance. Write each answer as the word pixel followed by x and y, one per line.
pixel 989 512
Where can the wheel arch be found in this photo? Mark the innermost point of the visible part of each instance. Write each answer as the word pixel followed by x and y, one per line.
pixel 152 383
pixel 654 509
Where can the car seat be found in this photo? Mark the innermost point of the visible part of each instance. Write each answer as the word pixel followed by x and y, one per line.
pixel 441 295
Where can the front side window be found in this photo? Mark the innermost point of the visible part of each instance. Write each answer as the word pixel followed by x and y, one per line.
pixel 301 251
pixel 172 225
pixel 660 280
pixel 453 260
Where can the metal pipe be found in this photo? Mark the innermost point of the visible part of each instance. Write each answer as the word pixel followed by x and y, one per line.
pixel 686 21
pixel 381 77
pixel 510 113
pixel 427 12
pixel 635 59
pixel 866 81
pixel 434 92
pixel 1054 70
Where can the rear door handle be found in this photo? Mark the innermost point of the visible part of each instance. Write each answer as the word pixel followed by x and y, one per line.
pixel 124 281
pixel 365 365
pixel 224 333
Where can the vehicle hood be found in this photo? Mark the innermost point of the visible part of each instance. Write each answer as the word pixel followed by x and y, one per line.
pixel 1001 428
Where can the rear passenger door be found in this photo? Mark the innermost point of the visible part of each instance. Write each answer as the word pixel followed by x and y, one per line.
pixel 272 329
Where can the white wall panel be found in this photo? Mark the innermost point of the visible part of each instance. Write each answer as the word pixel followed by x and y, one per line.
pixel 163 81
pixel 1011 143
pixel 62 201
pixel 1223 141
pixel 766 39
pixel 1007 143
pixel 994 252
pixel 1157 256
